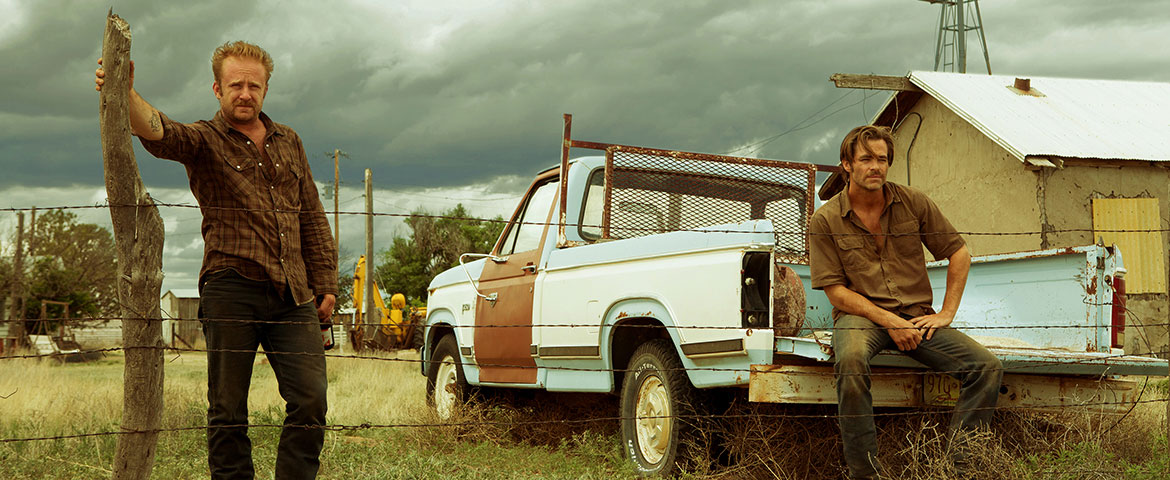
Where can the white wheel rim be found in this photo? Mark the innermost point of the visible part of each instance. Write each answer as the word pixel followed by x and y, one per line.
pixel 652 419
pixel 446 381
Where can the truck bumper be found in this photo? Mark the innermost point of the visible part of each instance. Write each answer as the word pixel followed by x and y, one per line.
pixel 893 387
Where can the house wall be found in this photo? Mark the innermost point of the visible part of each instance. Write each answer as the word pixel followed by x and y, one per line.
pixel 984 189
pixel 1068 198
pixel 977 184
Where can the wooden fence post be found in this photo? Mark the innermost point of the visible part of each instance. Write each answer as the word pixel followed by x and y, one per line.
pixel 138 234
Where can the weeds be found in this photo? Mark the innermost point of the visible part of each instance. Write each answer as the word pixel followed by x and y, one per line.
pixel 495 437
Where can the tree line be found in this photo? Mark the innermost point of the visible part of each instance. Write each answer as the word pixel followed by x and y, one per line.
pixel 434 244
pixel 65 260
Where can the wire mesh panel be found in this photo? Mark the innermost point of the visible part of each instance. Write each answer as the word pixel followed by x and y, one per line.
pixel 651 191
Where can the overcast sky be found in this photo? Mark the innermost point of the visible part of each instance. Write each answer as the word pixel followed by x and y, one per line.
pixel 461 101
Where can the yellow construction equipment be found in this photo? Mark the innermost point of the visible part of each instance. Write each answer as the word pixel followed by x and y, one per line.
pixel 395 328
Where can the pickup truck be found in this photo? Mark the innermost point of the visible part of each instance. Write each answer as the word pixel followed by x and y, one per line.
pixel 660 275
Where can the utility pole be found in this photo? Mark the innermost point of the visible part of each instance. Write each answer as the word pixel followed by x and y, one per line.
pixel 32 232
pixel 336 202
pixel 370 318
pixel 16 309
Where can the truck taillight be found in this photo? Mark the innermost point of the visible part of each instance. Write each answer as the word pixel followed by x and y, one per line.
pixel 755 290
pixel 1117 333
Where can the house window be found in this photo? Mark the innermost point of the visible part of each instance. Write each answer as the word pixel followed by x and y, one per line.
pixel 1142 251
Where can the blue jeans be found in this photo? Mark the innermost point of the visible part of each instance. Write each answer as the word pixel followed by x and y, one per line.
pixel 300 373
pixel 857 339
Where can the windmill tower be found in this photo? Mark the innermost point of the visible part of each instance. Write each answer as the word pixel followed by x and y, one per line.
pixel 957 18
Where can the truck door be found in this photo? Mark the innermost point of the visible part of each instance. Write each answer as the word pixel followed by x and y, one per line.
pixel 503 333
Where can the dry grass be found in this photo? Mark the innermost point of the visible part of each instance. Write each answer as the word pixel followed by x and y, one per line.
pixel 799 442
pixel 509 430
pixel 533 418
pixel 377 392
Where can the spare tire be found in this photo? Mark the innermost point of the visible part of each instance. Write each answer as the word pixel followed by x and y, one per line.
pixel 788 302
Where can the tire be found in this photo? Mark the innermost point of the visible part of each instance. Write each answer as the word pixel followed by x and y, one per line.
pixel 416 334
pixel 656 385
pixel 447 389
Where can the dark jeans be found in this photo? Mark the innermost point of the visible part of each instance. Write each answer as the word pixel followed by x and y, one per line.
pixel 856 340
pixel 225 298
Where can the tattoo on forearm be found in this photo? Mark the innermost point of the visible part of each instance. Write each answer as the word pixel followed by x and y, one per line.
pixel 155 123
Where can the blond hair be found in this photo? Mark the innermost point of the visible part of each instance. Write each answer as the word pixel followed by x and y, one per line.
pixel 240 49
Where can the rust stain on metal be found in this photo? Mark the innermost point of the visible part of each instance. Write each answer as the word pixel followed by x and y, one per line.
pixel 622 315
pixel 1038 254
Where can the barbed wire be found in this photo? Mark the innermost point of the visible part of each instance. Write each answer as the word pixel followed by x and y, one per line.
pixel 577 421
pixel 74 322
pixel 1027 366
pixel 589 225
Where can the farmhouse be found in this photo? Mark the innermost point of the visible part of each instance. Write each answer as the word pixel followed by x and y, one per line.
pixel 180 309
pixel 1068 161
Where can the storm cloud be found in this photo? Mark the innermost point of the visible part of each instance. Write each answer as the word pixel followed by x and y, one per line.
pixel 463 99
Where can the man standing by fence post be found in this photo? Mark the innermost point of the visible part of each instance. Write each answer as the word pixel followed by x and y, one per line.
pixel 269 272
pixel 867 256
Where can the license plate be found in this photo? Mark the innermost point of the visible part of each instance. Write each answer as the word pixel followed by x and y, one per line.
pixel 939 389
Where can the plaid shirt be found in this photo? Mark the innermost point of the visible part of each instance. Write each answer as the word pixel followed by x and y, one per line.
pixel 262 219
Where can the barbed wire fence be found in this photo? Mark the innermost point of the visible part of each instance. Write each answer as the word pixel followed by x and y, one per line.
pixel 1017 367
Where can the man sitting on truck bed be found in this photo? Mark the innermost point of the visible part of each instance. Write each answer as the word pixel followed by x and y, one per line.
pixel 867 256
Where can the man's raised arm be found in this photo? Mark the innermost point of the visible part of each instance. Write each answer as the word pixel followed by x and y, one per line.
pixel 957 269
pixel 145 120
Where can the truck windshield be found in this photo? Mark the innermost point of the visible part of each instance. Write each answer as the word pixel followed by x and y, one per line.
pixel 526 230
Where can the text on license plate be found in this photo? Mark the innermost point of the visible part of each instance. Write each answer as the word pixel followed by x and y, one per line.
pixel 939 389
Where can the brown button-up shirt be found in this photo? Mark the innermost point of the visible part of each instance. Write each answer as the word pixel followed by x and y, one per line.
pixel 845 253
pixel 260 217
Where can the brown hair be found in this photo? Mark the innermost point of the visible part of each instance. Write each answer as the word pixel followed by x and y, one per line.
pixel 240 49
pixel 860 137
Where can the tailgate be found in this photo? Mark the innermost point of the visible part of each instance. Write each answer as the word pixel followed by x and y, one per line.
pixel 1034 378
pixel 1015 359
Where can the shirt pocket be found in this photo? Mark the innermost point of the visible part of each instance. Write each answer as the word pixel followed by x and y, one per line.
pixel 852 249
pixel 289 185
pixel 907 238
pixel 241 176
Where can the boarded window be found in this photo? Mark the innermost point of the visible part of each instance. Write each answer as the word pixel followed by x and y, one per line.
pixel 1142 251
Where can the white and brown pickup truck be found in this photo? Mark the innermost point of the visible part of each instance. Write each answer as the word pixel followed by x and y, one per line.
pixel 657 275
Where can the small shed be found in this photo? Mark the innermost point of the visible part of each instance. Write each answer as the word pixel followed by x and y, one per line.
pixel 1031 163
pixel 180 311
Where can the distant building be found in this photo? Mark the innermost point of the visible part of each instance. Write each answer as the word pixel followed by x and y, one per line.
pixel 180 311
pixel 1067 159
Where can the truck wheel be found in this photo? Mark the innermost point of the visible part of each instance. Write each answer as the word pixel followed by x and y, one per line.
pixel 446 387
pixel 416 335
pixel 657 398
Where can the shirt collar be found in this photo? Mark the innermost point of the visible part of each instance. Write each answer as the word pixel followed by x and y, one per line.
pixel 222 124
pixel 890 193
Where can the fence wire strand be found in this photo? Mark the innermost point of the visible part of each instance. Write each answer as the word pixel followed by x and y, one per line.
pixel 588 225
pixel 568 421
pixel 1019 367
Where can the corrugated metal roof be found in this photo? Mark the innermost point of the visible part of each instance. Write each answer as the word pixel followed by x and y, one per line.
pixel 1071 118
